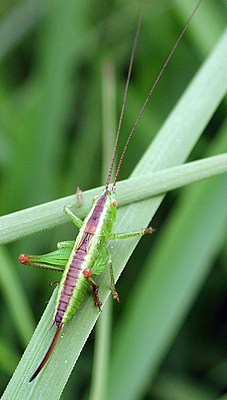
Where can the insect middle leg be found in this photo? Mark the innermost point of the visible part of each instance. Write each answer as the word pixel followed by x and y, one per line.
pixel 100 265
pixel 112 280
pixel 128 235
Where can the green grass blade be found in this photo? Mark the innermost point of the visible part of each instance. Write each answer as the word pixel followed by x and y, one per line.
pixel 54 80
pixel 169 283
pixel 204 31
pixel 22 18
pixel 8 357
pixel 171 147
pixel 168 387
pixel 100 370
pixel 15 298
pixel 47 215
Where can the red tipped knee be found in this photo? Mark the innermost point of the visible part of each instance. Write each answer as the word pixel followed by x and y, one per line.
pixel 87 273
pixel 23 258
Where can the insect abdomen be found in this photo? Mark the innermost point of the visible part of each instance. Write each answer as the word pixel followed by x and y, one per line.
pixel 74 284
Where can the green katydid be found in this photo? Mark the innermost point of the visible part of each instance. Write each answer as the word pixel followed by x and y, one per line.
pixel 88 255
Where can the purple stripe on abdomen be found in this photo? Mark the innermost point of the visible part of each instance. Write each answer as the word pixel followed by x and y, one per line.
pixel 77 261
pixel 70 284
pixel 93 221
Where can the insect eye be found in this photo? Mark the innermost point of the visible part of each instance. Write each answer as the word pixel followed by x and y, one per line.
pixel 114 202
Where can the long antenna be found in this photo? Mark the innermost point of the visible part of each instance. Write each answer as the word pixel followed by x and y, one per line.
pixel 124 98
pixel 151 91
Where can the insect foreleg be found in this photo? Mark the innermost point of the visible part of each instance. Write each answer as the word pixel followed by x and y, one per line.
pixel 128 235
pixel 76 220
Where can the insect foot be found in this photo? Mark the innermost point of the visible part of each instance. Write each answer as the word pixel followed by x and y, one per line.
pixel 97 301
pixel 54 283
pixel 79 194
pixel 149 230
pixel 115 294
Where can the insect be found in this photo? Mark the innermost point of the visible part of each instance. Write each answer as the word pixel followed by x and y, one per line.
pixel 86 257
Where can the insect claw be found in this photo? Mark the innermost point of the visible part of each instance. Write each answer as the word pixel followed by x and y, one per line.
pixel 54 283
pixel 116 297
pixel 79 196
pixel 115 294
pixel 97 301
pixel 149 230
pixel 98 304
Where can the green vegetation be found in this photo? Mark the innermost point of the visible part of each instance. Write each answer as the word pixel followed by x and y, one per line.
pixel 168 334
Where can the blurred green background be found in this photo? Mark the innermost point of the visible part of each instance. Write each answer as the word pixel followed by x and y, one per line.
pixel 51 60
